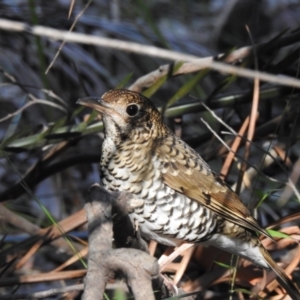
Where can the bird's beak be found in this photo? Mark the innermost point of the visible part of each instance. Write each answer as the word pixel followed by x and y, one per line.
pixel 94 103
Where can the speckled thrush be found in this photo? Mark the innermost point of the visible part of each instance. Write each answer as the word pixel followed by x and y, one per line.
pixel 183 199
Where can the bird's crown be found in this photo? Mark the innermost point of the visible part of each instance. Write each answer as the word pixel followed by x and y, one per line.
pixel 122 96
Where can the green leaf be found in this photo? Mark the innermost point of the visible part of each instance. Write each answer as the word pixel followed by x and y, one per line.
pixel 263 196
pixel 119 294
pixel 17 135
pixel 243 291
pixel 222 265
pixel 83 125
pixel 77 111
pixel 152 89
pixel 186 88
pixel 40 139
pixel 106 296
pixel 278 234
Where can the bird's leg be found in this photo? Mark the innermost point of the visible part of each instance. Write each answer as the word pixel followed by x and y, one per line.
pixel 164 260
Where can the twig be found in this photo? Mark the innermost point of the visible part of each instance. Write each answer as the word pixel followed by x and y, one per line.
pixel 33 102
pixel 42 277
pixel 33 99
pixel 252 122
pixel 44 294
pixel 215 116
pixel 215 134
pixel 234 147
pixel 46 234
pixel 72 27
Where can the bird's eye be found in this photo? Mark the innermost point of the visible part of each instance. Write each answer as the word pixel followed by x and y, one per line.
pixel 132 110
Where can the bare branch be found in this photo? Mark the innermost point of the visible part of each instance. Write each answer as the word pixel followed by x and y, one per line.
pixel 72 27
pixel 94 40
pixel 28 104
pixel 139 267
pixel 45 294
pixel 208 63
pixel 194 63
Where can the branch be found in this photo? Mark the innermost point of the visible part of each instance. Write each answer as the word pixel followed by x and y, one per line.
pixel 208 63
pixel 194 63
pixel 104 261
pixel 45 294
pixel 87 39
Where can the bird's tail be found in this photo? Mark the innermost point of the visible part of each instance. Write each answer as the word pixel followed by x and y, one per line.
pixel 283 279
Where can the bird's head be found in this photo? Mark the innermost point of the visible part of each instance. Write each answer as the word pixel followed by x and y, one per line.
pixel 127 115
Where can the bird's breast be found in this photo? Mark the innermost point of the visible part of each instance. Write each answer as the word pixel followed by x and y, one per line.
pixel 166 216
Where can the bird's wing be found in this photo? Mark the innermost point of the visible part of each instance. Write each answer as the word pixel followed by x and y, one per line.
pixel 186 172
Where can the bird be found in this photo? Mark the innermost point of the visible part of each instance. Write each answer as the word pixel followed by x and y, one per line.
pixel 183 199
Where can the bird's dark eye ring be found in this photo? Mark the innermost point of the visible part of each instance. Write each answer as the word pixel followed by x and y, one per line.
pixel 132 110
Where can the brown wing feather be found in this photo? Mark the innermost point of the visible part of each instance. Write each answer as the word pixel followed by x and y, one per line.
pixel 186 172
